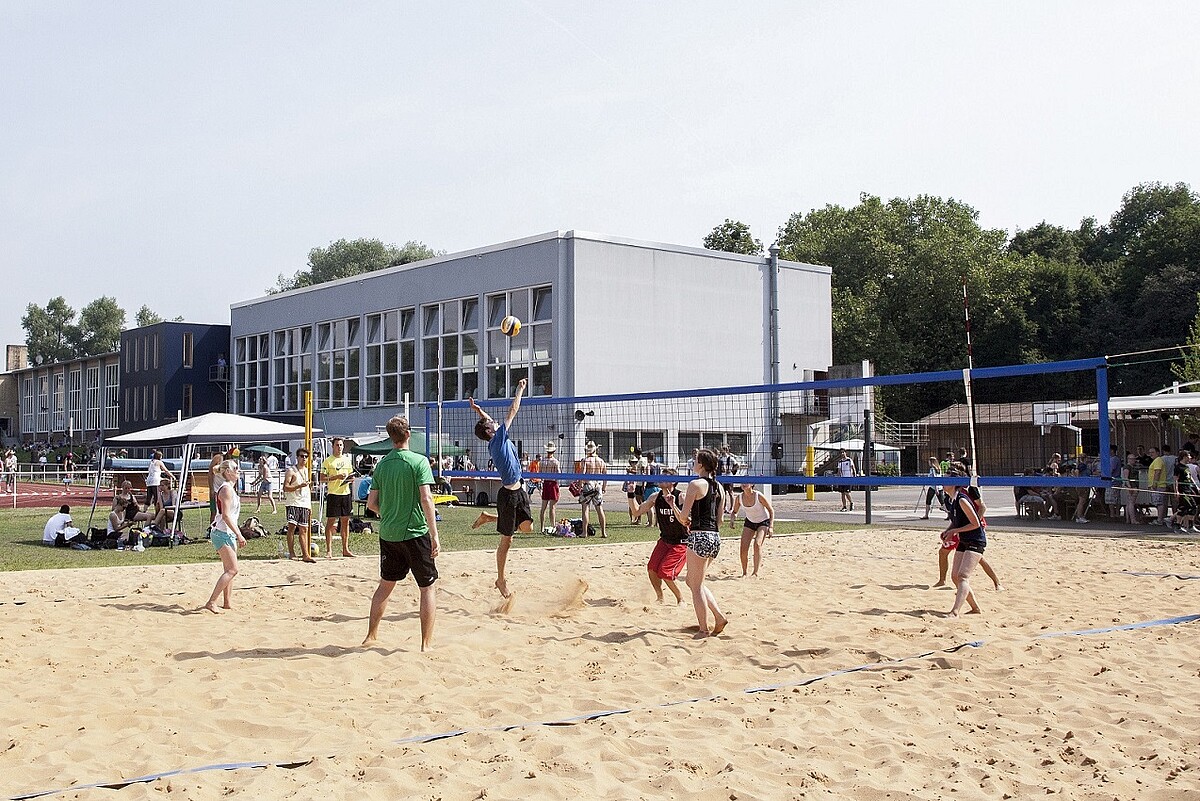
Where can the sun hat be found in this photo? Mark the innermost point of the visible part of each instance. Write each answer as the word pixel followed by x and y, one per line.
pixel 551 447
pixel 589 448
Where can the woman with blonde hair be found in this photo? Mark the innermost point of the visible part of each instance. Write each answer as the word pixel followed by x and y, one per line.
pixel 226 535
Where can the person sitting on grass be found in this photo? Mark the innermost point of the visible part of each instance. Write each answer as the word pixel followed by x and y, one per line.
pixel 513 510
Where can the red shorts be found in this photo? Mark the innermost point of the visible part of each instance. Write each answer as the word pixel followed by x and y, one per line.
pixel 668 560
pixel 549 490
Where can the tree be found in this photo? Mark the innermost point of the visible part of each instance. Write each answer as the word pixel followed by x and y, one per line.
pixel 146 317
pixel 733 237
pixel 99 327
pixel 47 331
pixel 344 258
pixel 1048 241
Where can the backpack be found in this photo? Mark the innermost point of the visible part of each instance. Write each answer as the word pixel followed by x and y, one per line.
pixel 577 528
pixel 253 528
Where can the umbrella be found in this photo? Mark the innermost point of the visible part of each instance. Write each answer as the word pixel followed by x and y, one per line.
pixel 267 449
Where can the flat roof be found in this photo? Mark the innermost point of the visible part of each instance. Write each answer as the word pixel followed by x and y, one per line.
pixel 529 240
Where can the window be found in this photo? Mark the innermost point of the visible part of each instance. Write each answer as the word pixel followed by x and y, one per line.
pixel 43 403
pixel 293 360
pixel 58 402
pixel 91 417
pixel 391 358
pixel 738 442
pixel 146 353
pixel 338 364
pixel 251 380
pixel 187 349
pixel 187 400
pixel 112 383
pixel 154 342
pixel 75 398
pixel 127 407
pixel 450 349
pixel 621 444
pixel 529 353
pixel 28 404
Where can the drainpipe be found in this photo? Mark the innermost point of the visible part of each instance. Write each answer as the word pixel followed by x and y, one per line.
pixel 773 336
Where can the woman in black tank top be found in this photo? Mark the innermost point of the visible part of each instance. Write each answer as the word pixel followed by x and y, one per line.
pixel 703 506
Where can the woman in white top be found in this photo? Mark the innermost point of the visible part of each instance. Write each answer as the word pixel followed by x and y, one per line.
pixel 757 524
pixel 226 535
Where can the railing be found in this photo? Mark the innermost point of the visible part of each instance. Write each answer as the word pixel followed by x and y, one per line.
pixel 219 373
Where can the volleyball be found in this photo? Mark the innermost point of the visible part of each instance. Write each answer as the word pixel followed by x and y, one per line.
pixel 510 326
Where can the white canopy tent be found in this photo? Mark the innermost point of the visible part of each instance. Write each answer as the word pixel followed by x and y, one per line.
pixel 1164 402
pixel 207 429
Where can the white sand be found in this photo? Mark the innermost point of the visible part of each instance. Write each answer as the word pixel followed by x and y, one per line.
pixel 104 678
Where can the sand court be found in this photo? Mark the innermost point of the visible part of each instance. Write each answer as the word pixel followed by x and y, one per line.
pixel 587 687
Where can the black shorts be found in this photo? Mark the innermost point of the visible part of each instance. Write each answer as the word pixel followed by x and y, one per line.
pixel 396 559
pixel 976 546
pixel 512 509
pixel 151 494
pixel 750 524
pixel 337 506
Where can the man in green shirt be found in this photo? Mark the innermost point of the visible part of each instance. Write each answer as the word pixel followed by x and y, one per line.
pixel 408 537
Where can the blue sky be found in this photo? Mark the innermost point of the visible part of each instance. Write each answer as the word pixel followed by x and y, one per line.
pixel 184 155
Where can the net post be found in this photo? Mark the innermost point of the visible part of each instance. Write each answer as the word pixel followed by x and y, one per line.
pixel 867 462
pixel 1102 420
pixel 810 470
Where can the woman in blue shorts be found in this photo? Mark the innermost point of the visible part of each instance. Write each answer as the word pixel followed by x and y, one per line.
pixel 226 535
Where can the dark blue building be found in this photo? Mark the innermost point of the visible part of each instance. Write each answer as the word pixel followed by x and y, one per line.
pixel 169 370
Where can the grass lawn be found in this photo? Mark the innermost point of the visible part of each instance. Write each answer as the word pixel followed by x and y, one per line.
pixel 21 538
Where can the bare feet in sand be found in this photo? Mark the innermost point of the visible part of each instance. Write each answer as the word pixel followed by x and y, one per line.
pixel 479 521
pixel 368 641
pixel 999 588
pixel 211 608
pixel 347 554
pixel 720 626
pixel 502 585
pixel 310 560
pixel 941 583
pixel 700 635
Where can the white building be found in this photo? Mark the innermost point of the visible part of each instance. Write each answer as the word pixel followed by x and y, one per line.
pixel 603 315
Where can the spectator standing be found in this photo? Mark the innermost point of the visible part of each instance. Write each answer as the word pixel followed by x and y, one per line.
pixel 265 485
pixel 846 469
pixel 549 486
pixel 593 491
pixel 154 476
pixel 336 473
pixel 297 503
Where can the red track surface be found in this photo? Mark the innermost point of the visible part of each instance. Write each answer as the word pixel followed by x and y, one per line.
pixel 32 496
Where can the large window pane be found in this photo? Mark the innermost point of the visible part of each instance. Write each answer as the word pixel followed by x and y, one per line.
pixel 541 383
pixel 542 304
pixel 470 315
pixel 497 309
pixel 542 335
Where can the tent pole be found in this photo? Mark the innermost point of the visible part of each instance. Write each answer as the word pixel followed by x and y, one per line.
pixel 95 490
pixel 176 520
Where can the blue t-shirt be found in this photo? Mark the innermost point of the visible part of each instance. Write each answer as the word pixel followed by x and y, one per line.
pixel 504 456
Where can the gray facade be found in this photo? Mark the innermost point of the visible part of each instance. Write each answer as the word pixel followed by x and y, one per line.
pixel 593 307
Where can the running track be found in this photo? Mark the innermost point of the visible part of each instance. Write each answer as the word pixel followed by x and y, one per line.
pixel 32 496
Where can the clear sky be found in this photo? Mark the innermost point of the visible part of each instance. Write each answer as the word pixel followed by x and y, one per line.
pixel 183 155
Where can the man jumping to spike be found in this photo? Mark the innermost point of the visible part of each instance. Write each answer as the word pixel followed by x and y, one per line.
pixel 512 501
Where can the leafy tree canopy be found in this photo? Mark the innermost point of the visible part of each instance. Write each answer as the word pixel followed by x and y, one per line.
pixel 732 236
pixel 344 258
pixel 146 317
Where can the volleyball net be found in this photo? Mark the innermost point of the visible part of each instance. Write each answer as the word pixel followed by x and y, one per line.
pixel 795 434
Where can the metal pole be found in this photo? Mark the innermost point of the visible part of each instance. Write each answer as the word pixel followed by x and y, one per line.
pixel 773 423
pixel 867 450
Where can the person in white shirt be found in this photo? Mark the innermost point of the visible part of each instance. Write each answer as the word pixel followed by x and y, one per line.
pixel 846 469
pixel 59 524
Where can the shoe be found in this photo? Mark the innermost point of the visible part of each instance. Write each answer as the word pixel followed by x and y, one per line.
pixel 1081 520
pixel 924 517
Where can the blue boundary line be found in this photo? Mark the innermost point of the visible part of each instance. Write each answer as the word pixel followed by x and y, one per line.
pixel 588 716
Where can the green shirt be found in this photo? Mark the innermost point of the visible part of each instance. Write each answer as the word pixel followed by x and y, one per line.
pixel 398 479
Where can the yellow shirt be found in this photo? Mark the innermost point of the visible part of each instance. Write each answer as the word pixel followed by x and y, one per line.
pixel 334 465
